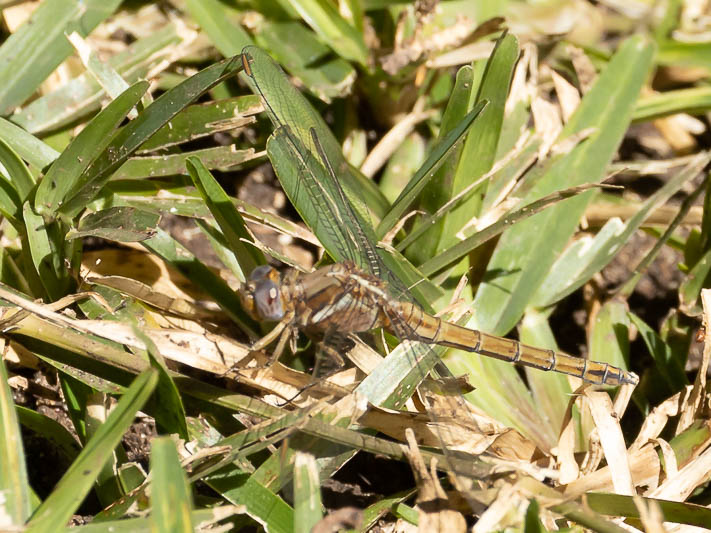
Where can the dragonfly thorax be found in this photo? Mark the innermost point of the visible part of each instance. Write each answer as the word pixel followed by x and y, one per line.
pixel 261 296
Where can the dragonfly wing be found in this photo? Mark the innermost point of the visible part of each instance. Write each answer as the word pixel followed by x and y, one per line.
pixel 303 144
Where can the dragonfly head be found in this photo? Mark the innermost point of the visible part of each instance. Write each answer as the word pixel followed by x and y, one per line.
pixel 261 296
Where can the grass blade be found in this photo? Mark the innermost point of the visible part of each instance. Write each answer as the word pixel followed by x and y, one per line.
pixel 520 261
pixel 67 173
pixel 230 221
pixel 30 54
pixel 171 501
pixel 78 480
pixel 129 138
pixel 14 484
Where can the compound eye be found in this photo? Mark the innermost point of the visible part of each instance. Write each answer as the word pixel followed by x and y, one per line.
pixel 268 300
pixel 260 273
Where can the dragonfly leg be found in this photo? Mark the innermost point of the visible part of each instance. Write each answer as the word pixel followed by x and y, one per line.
pixel 287 333
pixel 270 337
pixel 283 330
pixel 332 352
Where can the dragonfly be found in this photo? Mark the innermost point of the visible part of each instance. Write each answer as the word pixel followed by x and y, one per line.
pixel 360 292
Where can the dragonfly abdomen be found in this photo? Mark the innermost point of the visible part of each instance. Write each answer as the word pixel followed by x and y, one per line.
pixel 430 329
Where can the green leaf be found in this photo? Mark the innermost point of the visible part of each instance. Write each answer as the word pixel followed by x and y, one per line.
pixel 439 189
pixel 230 221
pixel 21 180
pixel 263 505
pixel 678 512
pixel 695 101
pixel 307 493
pixel 532 523
pixel 167 404
pixel 223 158
pixel 47 253
pixel 30 54
pixel 215 19
pixel 14 484
pixel 29 147
pixel 469 244
pixel 49 429
pixel 560 281
pixel 333 29
pixel 419 180
pixel 83 95
pixel 68 173
pixel 668 366
pixel 525 252
pixel 120 224
pixel 10 201
pixel 403 164
pixel 78 480
pixel 479 150
pixel 171 501
pixel 695 280
pixel 130 137
pixel 200 120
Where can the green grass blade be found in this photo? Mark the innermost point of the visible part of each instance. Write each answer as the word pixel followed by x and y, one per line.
pixel 78 480
pixel 695 101
pixel 678 512
pixel 120 224
pixel 469 244
pixel 110 80
pixel 83 95
pixel 216 157
pixel 47 253
pixel 333 29
pixel 50 430
pixel 67 173
pixel 268 509
pixel 403 165
pixel 129 138
pixel 16 506
pixel 479 150
pixel 167 404
pixel 206 518
pixel 200 120
pixel 171 501
pixel 17 174
pixel 439 189
pixel 21 178
pixel 608 243
pixel 419 180
pixel 230 221
pixel 525 253
pixel 669 368
pixel 307 493
pixel 29 147
pixel 532 520
pixel 572 262
pixel 390 384
pixel 215 18
pixel 30 54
